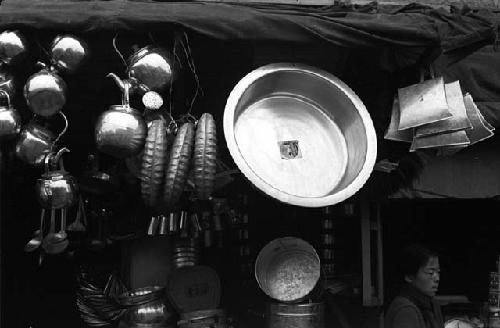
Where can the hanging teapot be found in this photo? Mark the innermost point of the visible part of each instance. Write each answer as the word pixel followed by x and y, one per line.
pixel 68 53
pixel 45 92
pixel 121 130
pixel 10 121
pixel 12 46
pixel 36 141
pixel 56 189
pixel 152 68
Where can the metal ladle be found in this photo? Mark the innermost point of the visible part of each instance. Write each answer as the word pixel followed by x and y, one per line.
pixel 36 241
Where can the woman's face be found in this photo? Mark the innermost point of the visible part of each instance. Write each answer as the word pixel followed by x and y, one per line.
pixel 427 278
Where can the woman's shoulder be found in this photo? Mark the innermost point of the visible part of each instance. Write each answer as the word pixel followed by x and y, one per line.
pixel 403 313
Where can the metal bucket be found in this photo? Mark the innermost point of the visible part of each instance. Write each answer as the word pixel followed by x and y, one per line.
pixel 287 269
pixel 307 315
pixel 215 318
pixel 300 134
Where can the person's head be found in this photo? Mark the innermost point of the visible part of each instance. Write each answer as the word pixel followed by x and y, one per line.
pixel 420 268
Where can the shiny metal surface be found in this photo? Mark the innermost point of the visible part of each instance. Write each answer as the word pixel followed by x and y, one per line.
pixel 34 143
pixel 146 308
pixel 308 315
pixel 120 131
pixel 152 67
pixel 7 83
pixel 68 53
pixel 287 269
pixel 12 46
pixel 56 189
pixel 45 93
pixel 300 134
pixel 10 120
pixel 422 103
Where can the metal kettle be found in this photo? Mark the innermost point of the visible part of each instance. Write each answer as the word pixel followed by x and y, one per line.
pixel 56 189
pixel 10 120
pixel 121 130
pixel 45 93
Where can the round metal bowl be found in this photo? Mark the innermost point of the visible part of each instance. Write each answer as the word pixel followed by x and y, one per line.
pixel 300 134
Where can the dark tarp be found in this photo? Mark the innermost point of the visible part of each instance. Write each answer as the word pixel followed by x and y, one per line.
pixel 411 31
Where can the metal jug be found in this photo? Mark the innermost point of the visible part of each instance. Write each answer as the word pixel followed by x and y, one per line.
pixel 68 53
pixel 121 130
pixel 56 189
pixel 36 141
pixel 45 92
pixel 152 67
pixel 12 46
pixel 10 121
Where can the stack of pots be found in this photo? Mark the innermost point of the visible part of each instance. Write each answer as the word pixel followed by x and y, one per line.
pixel 288 271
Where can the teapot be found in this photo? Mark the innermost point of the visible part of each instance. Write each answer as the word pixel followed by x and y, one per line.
pixel 45 92
pixel 68 53
pixel 10 120
pixel 152 68
pixel 56 189
pixel 12 46
pixel 121 130
pixel 36 141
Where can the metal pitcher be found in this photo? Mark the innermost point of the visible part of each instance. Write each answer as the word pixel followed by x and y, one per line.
pixel 152 67
pixel 56 189
pixel 10 121
pixel 121 130
pixel 45 93
pixel 68 53
pixel 36 141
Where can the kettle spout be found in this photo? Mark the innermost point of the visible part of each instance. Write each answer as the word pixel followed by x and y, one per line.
pixel 118 81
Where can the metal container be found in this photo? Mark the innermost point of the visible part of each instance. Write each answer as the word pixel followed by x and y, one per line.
pixel 307 315
pixel 147 308
pixel 45 93
pixel 10 120
pixel 287 269
pixel 121 130
pixel 34 143
pixel 300 134
pixel 215 318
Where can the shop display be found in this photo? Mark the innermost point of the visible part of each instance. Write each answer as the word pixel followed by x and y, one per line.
pixel 308 146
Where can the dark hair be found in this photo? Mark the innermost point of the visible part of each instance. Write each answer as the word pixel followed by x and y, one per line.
pixel 413 257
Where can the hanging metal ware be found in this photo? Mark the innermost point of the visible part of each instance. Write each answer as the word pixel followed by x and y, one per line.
pixel 154 161
pixel 36 141
pixel 45 93
pixel 68 53
pixel 178 164
pixel 10 120
pixel 12 46
pixel 56 189
pixel 153 68
pixel 205 154
pixel 121 130
pixel 7 83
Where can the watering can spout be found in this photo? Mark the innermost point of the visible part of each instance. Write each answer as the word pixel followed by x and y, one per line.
pixel 124 86
pixel 118 81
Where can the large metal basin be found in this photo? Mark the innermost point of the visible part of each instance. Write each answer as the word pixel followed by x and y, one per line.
pixel 300 134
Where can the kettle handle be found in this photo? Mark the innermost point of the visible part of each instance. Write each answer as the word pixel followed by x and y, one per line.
pixel 6 94
pixel 58 157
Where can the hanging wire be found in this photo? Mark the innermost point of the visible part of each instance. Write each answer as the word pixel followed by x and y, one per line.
pixel 187 51
pixel 62 132
pixel 118 51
